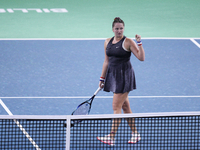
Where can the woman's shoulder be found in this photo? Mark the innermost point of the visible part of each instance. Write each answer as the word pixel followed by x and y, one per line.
pixel 129 40
pixel 107 41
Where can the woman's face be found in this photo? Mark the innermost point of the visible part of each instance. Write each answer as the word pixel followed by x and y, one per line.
pixel 118 29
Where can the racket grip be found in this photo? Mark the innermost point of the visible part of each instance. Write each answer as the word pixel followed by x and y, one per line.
pixel 97 91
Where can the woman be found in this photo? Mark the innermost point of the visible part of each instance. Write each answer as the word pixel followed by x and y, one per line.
pixel 118 76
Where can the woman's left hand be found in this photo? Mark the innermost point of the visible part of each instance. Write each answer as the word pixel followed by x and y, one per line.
pixel 138 38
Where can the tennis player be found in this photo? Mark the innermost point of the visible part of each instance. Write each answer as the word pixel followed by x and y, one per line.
pixel 118 76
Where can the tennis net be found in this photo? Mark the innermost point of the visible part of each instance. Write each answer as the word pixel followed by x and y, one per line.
pixel 156 131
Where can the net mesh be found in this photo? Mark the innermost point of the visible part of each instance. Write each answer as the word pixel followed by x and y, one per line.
pixel 32 134
pixel 156 132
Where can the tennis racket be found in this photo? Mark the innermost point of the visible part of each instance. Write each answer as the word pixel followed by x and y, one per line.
pixel 84 108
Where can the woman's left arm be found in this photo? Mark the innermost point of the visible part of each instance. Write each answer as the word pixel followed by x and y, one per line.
pixel 137 50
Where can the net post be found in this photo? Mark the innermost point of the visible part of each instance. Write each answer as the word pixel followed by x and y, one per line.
pixel 68 125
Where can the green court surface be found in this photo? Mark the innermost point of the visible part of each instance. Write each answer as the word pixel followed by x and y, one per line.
pixel 93 18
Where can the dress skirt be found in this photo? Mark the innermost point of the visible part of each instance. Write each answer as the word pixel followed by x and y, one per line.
pixel 120 78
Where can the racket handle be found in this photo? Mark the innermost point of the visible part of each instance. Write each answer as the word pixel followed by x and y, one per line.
pixel 97 91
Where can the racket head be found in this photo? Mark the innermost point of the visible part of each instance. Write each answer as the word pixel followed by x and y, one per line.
pixel 84 108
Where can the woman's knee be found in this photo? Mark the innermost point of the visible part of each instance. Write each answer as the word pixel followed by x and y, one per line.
pixel 117 107
pixel 118 101
pixel 126 107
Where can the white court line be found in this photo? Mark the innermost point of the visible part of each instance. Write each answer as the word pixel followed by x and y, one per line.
pixel 195 42
pixel 69 39
pixel 77 97
pixel 19 125
pixel 6 108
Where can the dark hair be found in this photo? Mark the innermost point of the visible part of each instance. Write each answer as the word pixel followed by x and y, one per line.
pixel 117 20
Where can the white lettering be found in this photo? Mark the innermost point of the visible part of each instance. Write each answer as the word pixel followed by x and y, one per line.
pixel 10 10
pixel 46 10
pixel 59 10
pixel 36 9
pixel 22 9
pixel 2 11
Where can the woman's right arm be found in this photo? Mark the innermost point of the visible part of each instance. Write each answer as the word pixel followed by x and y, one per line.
pixel 105 63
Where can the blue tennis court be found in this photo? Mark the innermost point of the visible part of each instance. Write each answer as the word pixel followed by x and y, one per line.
pixel 51 77
pixel 51 59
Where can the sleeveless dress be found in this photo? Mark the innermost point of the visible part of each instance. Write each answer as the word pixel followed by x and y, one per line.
pixel 120 77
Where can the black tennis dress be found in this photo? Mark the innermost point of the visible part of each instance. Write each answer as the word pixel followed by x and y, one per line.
pixel 120 77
